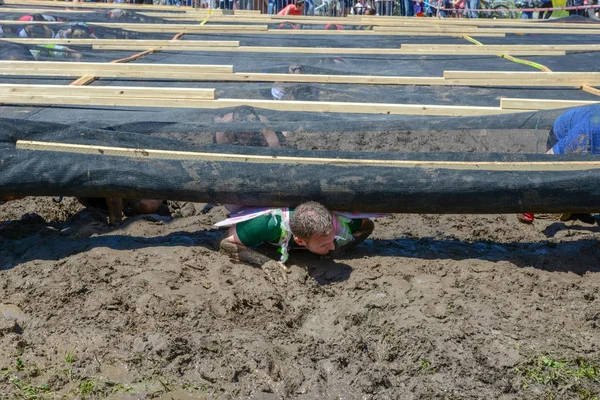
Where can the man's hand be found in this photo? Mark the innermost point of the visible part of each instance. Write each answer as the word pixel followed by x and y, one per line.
pixel 276 272
pixel 358 237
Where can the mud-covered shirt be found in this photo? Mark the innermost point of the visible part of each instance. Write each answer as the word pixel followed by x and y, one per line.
pixel 267 228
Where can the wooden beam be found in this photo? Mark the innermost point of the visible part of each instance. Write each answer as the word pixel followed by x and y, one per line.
pixel 591 90
pixel 107 91
pixel 541 104
pixel 43 11
pixel 515 30
pixel 137 42
pixel 152 27
pixel 151 154
pixel 90 5
pixel 195 72
pixel 70 68
pixel 299 106
pixel 480 22
pixel 225 73
pixel 525 78
pixel 502 47
pixel 320 50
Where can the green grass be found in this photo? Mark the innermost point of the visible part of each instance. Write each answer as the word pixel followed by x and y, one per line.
pixel 24 390
pixel 88 387
pixel 579 376
pixel 70 357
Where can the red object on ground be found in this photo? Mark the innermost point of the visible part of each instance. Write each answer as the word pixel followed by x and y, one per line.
pixel 526 217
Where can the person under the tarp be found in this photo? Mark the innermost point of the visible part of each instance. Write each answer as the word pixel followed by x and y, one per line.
pixel 577 131
pixel 241 115
pixel 278 90
pixel 115 206
pixel 35 32
pixel 39 17
pixel 77 30
pixel 293 9
pixel 309 226
pixel 15 51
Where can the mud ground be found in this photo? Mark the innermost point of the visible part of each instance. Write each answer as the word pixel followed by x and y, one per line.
pixel 430 307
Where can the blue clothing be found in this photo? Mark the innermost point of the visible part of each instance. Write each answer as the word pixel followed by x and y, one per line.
pixel 473 5
pixel 578 131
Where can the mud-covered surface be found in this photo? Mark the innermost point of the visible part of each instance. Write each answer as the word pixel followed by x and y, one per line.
pixel 431 306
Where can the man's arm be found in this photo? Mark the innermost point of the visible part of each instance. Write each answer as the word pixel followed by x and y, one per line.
pixel 365 230
pixel 269 134
pixel 362 233
pixel 231 245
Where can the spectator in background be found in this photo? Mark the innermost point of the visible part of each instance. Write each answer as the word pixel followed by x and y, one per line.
pixel 226 4
pixel 384 7
pixel 406 8
pixel 526 4
pixel 358 8
pixel 418 8
pixel 293 9
pixel 309 8
pixel 548 13
pixel 576 3
pixel 473 6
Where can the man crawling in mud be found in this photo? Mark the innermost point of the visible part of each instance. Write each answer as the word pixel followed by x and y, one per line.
pixel 309 226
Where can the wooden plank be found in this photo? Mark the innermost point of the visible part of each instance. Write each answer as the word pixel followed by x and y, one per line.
pixel 152 27
pixel 504 47
pixel 144 43
pixel 180 27
pixel 317 50
pixel 91 5
pixel 541 104
pixel 196 73
pixel 152 154
pixel 515 30
pixel 261 49
pixel 44 11
pixel 591 90
pixel 480 22
pixel 527 78
pixel 107 91
pixel 30 67
pixel 304 106
pixel 193 72
pixel 296 78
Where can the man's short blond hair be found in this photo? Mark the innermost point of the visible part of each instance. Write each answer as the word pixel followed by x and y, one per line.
pixel 311 219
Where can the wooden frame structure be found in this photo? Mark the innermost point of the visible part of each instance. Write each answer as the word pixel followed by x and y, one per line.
pixel 225 73
pixel 256 24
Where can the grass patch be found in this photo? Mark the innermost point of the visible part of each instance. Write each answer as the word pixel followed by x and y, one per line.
pixel 579 376
pixel 24 390
pixel 70 357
